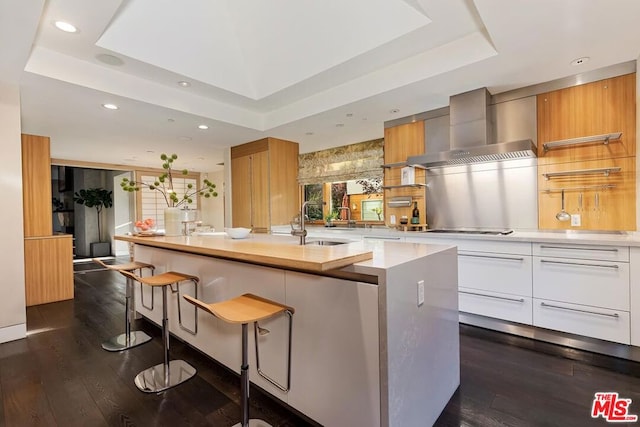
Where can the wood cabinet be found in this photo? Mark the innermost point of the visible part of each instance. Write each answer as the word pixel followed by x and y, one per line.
pixel 608 200
pixel 48 259
pixel 599 108
pixel 48 269
pixel 400 142
pixel 36 186
pixel 264 188
pixel 596 108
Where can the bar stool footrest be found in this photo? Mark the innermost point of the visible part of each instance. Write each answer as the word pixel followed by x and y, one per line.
pixel 255 422
pixel 153 380
pixel 120 342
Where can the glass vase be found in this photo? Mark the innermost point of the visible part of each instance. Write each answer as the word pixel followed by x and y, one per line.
pixel 172 222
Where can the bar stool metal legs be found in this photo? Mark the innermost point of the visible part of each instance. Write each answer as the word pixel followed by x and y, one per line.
pixel 170 373
pixel 130 338
pixel 245 309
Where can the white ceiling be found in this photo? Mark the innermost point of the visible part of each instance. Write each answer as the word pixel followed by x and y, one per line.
pixel 293 69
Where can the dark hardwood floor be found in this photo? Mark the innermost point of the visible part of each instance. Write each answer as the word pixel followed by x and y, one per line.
pixel 60 376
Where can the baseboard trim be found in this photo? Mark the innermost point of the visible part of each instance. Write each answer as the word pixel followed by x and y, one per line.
pixel 14 332
pixel 593 345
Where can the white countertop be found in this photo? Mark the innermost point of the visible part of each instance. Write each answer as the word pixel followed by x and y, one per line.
pixel 621 238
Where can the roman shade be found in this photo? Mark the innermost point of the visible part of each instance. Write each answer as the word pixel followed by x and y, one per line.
pixel 354 161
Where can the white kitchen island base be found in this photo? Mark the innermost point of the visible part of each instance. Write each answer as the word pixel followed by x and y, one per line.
pixel 364 354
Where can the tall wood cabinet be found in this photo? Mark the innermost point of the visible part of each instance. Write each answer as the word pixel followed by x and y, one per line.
pixel 36 184
pixel 48 257
pixel 598 176
pixel 400 142
pixel 264 187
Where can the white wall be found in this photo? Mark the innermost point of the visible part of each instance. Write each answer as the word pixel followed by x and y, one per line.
pixel 212 210
pixel 12 304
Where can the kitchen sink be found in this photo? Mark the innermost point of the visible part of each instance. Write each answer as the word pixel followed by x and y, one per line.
pixel 324 242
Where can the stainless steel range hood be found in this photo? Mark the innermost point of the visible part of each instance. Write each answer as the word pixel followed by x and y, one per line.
pixel 471 136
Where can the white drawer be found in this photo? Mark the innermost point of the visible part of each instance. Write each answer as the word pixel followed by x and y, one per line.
pixel 493 304
pixel 566 250
pixel 597 283
pixel 477 245
pixel 505 273
pixel 611 325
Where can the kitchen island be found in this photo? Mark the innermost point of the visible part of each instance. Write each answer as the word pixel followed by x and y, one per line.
pixel 369 348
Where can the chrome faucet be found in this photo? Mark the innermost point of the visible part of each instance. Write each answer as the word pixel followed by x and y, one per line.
pixel 302 232
pixel 349 222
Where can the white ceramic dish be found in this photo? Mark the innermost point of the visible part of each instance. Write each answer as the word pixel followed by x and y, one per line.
pixel 238 232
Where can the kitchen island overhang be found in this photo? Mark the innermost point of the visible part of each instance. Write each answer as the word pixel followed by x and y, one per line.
pixel 363 353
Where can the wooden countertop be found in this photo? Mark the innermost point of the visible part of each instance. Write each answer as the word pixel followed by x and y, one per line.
pixel 262 249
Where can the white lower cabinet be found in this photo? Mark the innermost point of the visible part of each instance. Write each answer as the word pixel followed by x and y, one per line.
pixel 582 290
pixel 634 295
pixel 493 304
pixel 596 322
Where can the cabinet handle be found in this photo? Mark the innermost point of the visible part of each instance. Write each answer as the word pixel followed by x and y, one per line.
pixel 579 249
pixel 493 257
pixel 382 238
pixel 544 304
pixel 493 296
pixel 583 264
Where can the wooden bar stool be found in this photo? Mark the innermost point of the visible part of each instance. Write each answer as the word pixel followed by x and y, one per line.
pixel 130 338
pixel 245 309
pixel 170 373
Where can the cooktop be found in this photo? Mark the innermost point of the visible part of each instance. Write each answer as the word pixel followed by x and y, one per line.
pixel 488 232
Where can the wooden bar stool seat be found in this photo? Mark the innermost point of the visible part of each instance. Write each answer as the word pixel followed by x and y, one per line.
pixel 130 338
pixel 170 373
pixel 245 309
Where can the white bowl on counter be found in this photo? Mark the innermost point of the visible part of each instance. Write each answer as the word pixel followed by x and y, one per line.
pixel 238 232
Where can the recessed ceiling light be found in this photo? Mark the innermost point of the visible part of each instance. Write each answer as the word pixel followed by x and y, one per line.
pixel 580 61
pixel 184 83
pixel 66 27
pixel 203 127
pixel 394 110
pixel 339 125
pixel 110 106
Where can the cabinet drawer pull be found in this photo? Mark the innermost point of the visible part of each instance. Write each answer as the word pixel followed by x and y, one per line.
pixel 493 296
pixel 381 238
pixel 578 249
pixel 582 264
pixel 493 257
pixel 616 315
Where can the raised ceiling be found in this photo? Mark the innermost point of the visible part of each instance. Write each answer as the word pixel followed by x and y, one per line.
pixel 322 73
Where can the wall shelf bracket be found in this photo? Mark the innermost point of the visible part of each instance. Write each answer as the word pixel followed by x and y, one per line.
pixel 605 138
pixel 604 171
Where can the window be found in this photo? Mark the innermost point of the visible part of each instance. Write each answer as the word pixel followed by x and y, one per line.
pixel 313 192
pixel 152 202
pixel 342 195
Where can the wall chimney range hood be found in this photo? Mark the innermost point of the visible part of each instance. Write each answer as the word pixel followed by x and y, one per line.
pixel 471 133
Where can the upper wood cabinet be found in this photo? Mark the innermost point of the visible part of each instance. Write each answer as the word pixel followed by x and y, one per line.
pixel 264 187
pixel 597 108
pixel 36 186
pixel 401 142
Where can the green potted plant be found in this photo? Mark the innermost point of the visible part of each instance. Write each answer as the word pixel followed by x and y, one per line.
pixel 328 219
pixel 97 198
pixel 164 185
